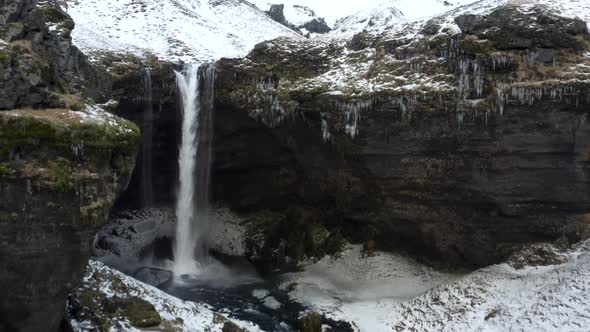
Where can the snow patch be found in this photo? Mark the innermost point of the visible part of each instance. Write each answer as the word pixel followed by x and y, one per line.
pixel 390 292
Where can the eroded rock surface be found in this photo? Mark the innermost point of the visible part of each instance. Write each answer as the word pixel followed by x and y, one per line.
pixel 63 162
pixel 461 146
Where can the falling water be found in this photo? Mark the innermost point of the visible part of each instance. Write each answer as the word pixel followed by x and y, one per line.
pixel 192 209
pixel 147 193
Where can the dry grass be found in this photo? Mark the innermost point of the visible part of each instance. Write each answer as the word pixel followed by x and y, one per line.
pixel 23 45
pixel 57 116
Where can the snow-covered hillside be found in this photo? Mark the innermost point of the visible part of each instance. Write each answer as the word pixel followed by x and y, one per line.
pixel 189 30
pixel 202 30
pixel 374 20
pixel 390 15
pixel 567 8
pixel 388 292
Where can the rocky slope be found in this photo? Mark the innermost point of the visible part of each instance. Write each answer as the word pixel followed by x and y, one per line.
pixel 458 146
pixel 63 162
pixel 374 19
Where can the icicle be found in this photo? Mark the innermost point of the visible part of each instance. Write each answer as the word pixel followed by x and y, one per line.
pixel 326 135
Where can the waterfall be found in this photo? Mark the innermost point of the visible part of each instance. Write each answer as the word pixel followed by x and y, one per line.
pixel 192 209
pixel 147 191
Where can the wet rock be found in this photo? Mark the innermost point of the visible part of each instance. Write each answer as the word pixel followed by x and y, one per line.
pixel 231 327
pixel 432 27
pixel 541 254
pixel 317 26
pixel 137 311
pixel 312 322
pixel 153 276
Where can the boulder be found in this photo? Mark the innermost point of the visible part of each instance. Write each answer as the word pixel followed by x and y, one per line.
pixel 317 25
pixel 276 12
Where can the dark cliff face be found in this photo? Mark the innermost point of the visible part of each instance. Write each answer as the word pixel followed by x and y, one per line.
pixel 129 75
pixel 63 162
pixel 465 148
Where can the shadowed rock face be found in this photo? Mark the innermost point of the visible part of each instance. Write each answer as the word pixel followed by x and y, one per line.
pixel 495 156
pixel 60 170
pixel 276 13
pixel 316 25
pixel 127 72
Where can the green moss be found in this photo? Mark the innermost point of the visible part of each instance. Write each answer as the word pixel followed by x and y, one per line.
pixel 92 212
pixel 474 45
pixel 140 313
pixel 5 170
pixel 218 319
pixel 54 15
pixel 60 174
pixel 6 57
pixel 31 129
pixel 312 322
pixel 102 311
pixel 91 304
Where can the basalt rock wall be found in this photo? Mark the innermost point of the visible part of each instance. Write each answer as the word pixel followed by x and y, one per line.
pixel 63 162
pixel 460 147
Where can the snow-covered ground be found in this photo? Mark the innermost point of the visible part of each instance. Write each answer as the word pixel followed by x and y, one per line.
pixel 194 317
pixel 187 30
pixel 567 8
pixel 374 19
pixel 390 15
pixel 389 292
pixel 386 292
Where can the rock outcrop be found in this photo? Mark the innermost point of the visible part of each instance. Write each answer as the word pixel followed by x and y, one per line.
pixel 63 162
pixel 458 147
pixel 315 25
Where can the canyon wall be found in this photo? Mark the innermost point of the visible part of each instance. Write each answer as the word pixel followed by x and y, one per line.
pixel 461 148
pixel 63 162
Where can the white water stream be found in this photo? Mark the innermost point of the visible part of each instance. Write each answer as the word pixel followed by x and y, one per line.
pixel 192 208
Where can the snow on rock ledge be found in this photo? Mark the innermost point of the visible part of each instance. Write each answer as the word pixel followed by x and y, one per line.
pixel 104 287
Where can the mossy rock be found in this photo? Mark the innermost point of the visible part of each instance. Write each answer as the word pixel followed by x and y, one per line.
pixel 312 322
pixel 6 56
pixel 54 14
pixel 140 313
pixel 63 127
pixel 231 327
pixel 473 45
